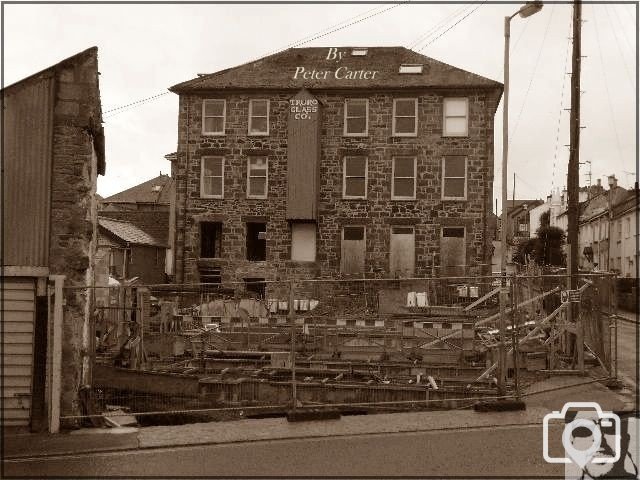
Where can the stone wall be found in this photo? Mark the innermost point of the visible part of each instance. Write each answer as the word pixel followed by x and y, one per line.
pixel 73 212
pixel 428 213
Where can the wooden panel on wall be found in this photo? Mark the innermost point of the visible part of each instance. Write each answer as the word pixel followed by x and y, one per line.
pixel 303 162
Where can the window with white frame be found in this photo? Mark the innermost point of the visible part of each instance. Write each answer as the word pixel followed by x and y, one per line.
pixel 259 117
pixel 627 228
pixel 354 183
pixel 456 117
pixel 212 177
pixel 356 117
pixel 257 177
pixel 213 116
pixel 454 177
pixel 405 117
pixel 403 185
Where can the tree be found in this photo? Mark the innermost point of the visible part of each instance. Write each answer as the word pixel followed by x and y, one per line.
pixel 546 247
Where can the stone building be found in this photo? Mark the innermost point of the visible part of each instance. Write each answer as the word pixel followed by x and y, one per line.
pixel 334 162
pixel 52 153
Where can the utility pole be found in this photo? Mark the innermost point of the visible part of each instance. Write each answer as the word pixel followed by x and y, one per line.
pixel 573 178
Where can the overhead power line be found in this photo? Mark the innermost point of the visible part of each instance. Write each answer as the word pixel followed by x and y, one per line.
pixel 561 110
pixel 606 84
pixel 533 76
pixel 320 34
pixel 452 26
pixel 431 31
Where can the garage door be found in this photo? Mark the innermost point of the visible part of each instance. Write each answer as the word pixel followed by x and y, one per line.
pixel 18 317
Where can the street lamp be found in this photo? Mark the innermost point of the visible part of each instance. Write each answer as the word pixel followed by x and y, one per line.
pixel 530 8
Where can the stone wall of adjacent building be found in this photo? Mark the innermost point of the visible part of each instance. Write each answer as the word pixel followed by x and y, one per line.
pixel 73 210
pixel 428 213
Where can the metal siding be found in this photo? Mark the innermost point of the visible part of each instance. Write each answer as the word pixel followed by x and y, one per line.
pixel 18 316
pixel 303 162
pixel 27 149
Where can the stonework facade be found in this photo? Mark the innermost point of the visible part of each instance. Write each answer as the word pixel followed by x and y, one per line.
pixel 419 211
pixel 53 153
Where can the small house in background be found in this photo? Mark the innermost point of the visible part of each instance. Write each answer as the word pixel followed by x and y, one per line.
pixel 52 153
pixel 140 212
pixel 126 251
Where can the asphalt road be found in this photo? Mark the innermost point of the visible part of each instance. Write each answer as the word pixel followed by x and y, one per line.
pixel 492 452
pixel 628 348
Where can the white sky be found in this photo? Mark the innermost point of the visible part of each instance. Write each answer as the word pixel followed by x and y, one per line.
pixel 144 49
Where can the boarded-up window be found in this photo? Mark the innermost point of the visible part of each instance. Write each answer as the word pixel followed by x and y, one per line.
pixel 455 120
pixel 257 177
pixel 303 242
pixel 402 250
pixel 452 251
pixel 213 116
pixel 256 241
pixel 356 117
pixel 403 186
pixel 405 117
pixel 454 177
pixel 259 117
pixel 212 177
pixel 355 177
pixel 210 239
pixel 353 250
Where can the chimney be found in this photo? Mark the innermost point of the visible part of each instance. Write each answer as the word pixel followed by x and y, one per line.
pixel 613 182
pixel 599 182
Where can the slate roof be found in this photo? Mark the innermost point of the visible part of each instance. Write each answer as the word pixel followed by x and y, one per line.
pixel 277 72
pixel 128 232
pixel 144 192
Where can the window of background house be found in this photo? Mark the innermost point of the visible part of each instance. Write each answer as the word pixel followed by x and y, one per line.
pixel 627 228
pixel 212 177
pixel 354 183
pixel 210 239
pixel 356 117
pixel 303 242
pixel 213 116
pixel 256 241
pixel 353 250
pixel 259 117
pixel 257 177
pixel 456 120
pixel 405 117
pixel 454 178
pixel 403 186
pixel 619 230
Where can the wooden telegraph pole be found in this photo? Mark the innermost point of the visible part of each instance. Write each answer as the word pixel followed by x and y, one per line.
pixel 573 179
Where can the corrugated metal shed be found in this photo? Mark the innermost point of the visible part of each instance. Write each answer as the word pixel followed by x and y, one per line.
pixel 27 119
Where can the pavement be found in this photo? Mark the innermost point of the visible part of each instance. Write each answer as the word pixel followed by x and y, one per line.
pixel 87 441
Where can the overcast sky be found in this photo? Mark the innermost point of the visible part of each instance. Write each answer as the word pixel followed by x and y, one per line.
pixel 144 49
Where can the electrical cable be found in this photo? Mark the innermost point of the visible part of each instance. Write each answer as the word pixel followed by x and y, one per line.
pixel 615 36
pixel 320 34
pixel 533 76
pixel 564 82
pixel 606 85
pixel 423 37
pixel 452 26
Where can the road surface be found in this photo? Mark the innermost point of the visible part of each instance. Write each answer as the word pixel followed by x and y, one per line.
pixel 498 451
pixel 628 348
